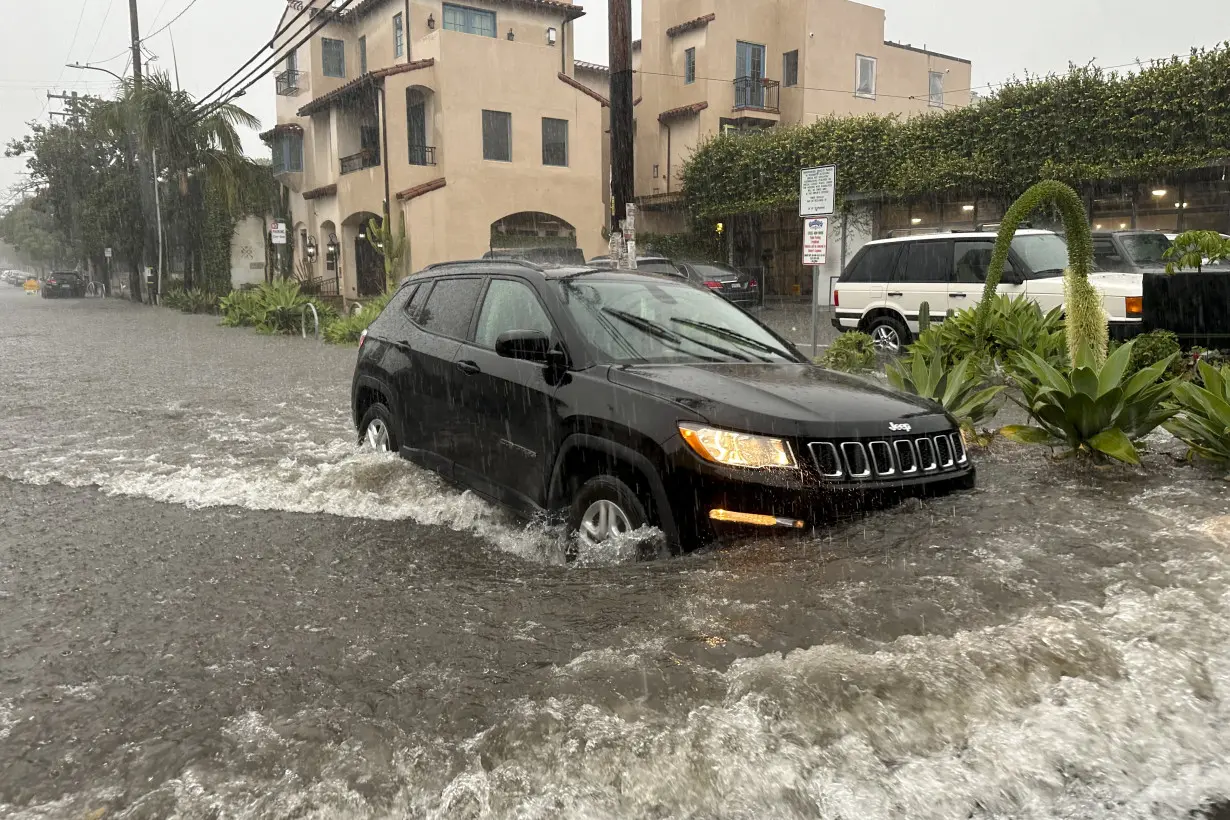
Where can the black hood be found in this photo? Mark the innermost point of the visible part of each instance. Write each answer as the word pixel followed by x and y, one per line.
pixel 784 399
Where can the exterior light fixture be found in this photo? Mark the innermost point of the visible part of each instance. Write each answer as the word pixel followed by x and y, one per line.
pixel 1122 226
pixel 511 36
pixel 1097 227
pixel 309 248
pixel 363 234
pixel 551 34
pixel 916 221
pixel 967 208
pixel 1160 192
pixel 431 21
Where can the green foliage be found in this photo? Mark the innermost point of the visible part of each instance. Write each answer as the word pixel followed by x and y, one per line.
pixel 392 246
pixel 241 308
pixel 35 235
pixel 1192 250
pixel 698 245
pixel 1086 326
pixel 347 329
pixel 924 317
pixel 273 308
pixel 1154 346
pixel 962 389
pixel 853 352
pixel 1082 126
pixel 195 300
pixel 1015 325
pixel 1203 420
pixel 1095 409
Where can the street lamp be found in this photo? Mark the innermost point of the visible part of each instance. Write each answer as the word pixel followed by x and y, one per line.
pixel 82 67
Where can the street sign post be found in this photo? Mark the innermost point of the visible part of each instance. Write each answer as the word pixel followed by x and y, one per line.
pixel 277 232
pixel 817 191
pixel 815 240
pixel 107 252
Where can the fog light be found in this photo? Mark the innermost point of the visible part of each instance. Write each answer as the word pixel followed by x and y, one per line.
pixel 754 519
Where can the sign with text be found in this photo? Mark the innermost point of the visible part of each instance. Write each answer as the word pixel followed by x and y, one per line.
pixel 815 241
pixel 817 191
pixel 277 233
pixel 107 252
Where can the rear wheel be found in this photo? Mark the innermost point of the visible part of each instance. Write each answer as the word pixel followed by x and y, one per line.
pixel 889 333
pixel 604 509
pixel 376 430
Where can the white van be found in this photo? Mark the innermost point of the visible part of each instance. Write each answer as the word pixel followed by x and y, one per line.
pixel 882 288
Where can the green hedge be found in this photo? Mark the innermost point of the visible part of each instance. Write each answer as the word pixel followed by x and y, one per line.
pixel 1083 126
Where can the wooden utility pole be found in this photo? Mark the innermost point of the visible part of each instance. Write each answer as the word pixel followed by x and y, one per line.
pixel 620 19
pixel 149 241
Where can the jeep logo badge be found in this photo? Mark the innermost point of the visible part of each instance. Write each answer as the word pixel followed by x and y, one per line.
pixel 899 428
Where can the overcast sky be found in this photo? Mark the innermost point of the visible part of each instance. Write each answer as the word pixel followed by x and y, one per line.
pixel 215 37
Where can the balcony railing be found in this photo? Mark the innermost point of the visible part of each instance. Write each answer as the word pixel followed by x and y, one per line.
pixel 758 94
pixel 321 287
pixel 288 82
pixel 422 155
pixel 368 158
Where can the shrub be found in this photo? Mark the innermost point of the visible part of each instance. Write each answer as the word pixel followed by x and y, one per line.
pixel 961 390
pixel 1014 325
pixel 853 352
pixel 1091 409
pixel 1203 420
pixel 196 301
pixel 241 308
pixel 347 329
pixel 1150 348
pixel 272 308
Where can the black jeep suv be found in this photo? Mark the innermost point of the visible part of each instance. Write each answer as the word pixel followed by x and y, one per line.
pixel 622 399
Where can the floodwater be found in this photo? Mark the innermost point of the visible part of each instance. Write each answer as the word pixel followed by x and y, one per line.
pixel 212 606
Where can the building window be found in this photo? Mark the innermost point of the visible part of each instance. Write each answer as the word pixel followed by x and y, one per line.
pixel 399 36
pixel 936 88
pixel 554 142
pixel 332 57
pixel 362 55
pixel 689 66
pixel 288 153
pixel 470 21
pixel 497 136
pixel 866 77
pixel 790 68
pixel 292 60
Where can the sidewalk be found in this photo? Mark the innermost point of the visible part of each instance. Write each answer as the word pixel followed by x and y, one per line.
pixel 792 320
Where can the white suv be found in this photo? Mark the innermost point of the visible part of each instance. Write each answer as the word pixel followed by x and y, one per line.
pixel 882 289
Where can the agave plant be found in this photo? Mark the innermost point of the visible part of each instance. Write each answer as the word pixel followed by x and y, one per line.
pixel 1203 420
pixel 961 390
pixel 1090 409
pixel 347 329
pixel 241 308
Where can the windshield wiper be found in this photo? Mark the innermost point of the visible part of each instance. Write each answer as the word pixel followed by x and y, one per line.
pixel 731 335
pixel 661 333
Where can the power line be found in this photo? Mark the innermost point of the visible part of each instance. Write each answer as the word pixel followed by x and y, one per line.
pixel 71 46
pixel 254 57
pixel 171 21
pixel 98 36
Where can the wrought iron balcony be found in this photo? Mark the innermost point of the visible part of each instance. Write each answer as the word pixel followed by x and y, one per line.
pixel 422 155
pixel 368 158
pixel 758 94
pixel 288 82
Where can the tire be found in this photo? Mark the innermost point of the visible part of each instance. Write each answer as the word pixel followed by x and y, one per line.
pixel 370 437
pixel 625 512
pixel 889 333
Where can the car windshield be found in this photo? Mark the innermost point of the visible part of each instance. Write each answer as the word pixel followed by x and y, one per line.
pixel 1044 254
pixel 1145 248
pixel 657 266
pixel 663 322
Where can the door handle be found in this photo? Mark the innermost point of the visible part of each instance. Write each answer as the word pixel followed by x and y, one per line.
pixel 469 368
pixel 895 293
pixel 958 295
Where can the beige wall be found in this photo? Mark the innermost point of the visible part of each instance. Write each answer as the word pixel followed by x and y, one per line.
pixel 470 74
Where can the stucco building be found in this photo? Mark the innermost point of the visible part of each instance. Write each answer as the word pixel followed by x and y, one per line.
pixel 468 118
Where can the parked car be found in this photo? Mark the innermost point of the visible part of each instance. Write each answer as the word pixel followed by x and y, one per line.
pixel 883 287
pixel 547 255
pixel 645 264
pixel 620 399
pixel 724 280
pixel 1130 251
pixel 15 278
pixel 63 283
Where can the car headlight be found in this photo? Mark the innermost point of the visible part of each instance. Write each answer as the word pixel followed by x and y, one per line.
pixel 737 449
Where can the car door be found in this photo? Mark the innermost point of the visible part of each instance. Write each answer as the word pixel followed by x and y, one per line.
pixel 971 261
pixel 862 284
pixel 441 320
pixel 923 274
pixel 509 415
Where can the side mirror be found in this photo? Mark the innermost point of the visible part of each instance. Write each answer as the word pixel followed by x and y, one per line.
pixel 527 345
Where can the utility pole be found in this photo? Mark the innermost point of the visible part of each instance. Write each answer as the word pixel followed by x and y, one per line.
pixel 143 164
pixel 620 20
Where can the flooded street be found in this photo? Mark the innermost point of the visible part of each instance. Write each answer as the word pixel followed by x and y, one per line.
pixel 211 605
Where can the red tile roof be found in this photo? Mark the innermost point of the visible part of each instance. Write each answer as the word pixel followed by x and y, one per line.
pixel 323 102
pixel 324 190
pixel 683 111
pixel 584 89
pixel 419 190
pixel 584 66
pixel 699 22
pixel 571 11
pixel 281 128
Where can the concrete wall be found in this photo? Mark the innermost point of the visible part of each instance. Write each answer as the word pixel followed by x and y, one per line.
pixel 248 252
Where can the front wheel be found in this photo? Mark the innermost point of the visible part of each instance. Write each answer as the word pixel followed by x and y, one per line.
pixel 889 333
pixel 604 509
pixel 376 430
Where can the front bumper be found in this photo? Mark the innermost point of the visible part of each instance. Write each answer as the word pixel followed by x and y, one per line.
pixel 1122 331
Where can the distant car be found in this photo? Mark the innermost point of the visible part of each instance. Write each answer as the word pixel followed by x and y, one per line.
pixel 644 264
pixel 63 283
pixel 546 255
pixel 15 278
pixel 1130 251
pixel 731 283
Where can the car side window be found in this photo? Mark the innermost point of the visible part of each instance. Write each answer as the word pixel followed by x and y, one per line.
pixel 1105 255
pixel 450 306
pixel 926 262
pixel 387 321
pixel 414 308
pixel 509 305
pixel 972 260
pixel 875 264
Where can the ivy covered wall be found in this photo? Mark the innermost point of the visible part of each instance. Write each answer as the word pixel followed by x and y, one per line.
pixel 1081 127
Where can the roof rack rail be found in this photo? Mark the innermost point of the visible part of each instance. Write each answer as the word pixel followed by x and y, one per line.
pixel 525 263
